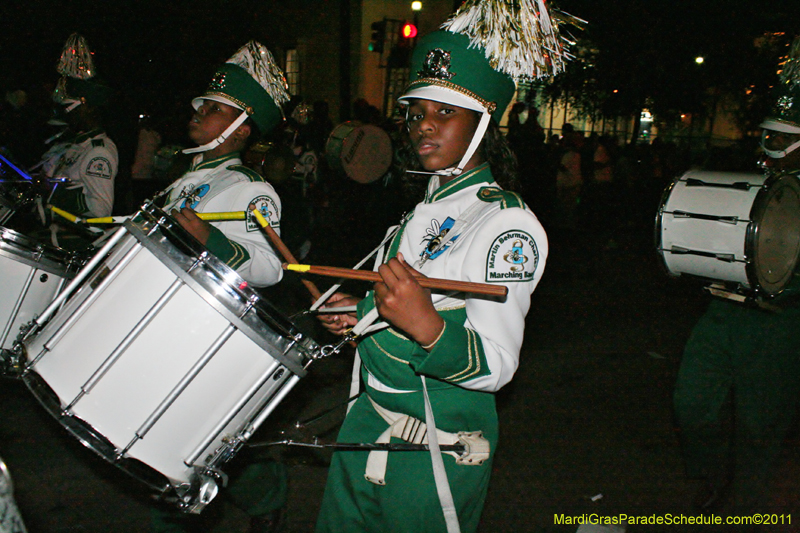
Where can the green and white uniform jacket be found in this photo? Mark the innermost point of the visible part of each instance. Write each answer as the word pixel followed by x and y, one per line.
pixel 476 355
pixel 479 349
pixel 90 163
pixel 224 185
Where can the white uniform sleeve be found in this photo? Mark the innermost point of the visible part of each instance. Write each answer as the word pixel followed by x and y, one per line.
pixel 250 252
pixel 509 248
pixel 96 171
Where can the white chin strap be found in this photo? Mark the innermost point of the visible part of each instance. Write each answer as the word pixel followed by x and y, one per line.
pixel 778 154
pixel 222 137
pixel 72 104
pixel 480 131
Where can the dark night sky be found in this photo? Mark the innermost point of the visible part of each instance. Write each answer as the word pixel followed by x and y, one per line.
pixel 162 51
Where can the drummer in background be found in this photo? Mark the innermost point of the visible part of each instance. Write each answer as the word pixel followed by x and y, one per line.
pixel 87 158
pixel 749 351
pixel 243 100
pixel 241 103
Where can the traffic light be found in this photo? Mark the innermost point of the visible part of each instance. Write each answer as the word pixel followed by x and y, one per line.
pixel 408 31
pixel 378 36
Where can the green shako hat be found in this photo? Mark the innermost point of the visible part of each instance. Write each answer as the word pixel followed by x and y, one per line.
pixel 251 81
pixel 78 83
pixel 785 113
pixel 445 68
pixel 480 53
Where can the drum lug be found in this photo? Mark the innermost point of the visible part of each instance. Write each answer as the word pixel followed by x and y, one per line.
pixel 12 362
pixel 205 488
pixel 201 260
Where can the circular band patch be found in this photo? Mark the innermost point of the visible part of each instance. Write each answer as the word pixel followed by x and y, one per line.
pixel 513 256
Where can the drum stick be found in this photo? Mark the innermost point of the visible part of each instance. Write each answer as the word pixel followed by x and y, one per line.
pixel 16 168
pixel 68 216
pixel 429 283
pixel 106 220
pixel 223 215
pixel 284 251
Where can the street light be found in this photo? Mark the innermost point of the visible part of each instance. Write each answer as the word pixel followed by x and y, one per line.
pixel 699 60
pixel 416 6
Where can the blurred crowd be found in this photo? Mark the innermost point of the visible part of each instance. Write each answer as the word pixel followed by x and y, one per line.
pixel 588 184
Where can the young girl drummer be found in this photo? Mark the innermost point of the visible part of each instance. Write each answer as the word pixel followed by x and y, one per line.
pixel 441 356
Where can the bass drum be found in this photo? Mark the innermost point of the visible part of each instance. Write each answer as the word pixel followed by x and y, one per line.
pixel 162 360
pixel 739 229
pixel 362 151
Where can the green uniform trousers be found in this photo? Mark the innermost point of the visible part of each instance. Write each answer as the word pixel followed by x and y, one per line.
pixel 408 502
pixel 752 358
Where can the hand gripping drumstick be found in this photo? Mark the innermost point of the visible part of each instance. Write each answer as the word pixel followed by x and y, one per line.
pixel 284 251
pixel 430 283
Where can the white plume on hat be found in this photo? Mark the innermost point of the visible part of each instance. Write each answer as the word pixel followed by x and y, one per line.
pixel 76 59
pixel 260 64
pixel 521 37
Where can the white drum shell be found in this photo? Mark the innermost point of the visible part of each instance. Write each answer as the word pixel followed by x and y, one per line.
pixel 249 368
pixel 31 275
pixel 692 242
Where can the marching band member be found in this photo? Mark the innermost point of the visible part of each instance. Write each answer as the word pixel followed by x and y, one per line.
pixel 442 357
pixel 87 160
pixel 749 352
pixel 242 102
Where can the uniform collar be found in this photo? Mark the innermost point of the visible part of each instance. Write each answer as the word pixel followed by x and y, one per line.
pixel 199 164
pixel 88 135
pixel 479 174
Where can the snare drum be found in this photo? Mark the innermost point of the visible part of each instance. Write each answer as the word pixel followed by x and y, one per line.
pixel 163 360
pixel 737 228
pixel 362 151
pixel 32 275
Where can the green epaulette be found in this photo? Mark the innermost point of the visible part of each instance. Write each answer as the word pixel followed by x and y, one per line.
pixel 247 171
pixel 506 198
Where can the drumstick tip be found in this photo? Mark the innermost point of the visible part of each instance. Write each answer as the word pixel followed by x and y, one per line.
pixel 260 217
pixel 294 267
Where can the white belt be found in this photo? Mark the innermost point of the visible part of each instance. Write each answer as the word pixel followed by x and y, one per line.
pixel 415 431
pixel 374 383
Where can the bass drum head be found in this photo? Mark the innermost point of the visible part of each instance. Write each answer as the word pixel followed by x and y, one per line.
pixel 362 151
pixel 775 236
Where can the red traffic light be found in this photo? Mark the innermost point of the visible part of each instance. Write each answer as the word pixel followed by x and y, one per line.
pixel 408 31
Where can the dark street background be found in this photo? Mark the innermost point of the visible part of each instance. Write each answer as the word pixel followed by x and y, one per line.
pixel 586 425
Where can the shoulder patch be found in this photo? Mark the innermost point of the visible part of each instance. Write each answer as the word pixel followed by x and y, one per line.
pixel 268 208
pixel 98 142
pixel 513 256
pixel 506 198
pixel 251 174
pixel 100 167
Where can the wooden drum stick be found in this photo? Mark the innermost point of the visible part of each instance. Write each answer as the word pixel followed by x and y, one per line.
pixel 430 283
pixel 284 251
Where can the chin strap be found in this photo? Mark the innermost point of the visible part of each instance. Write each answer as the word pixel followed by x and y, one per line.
pixel 222 137
pixel 480 131
pixel 72 104
pixel 778 154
